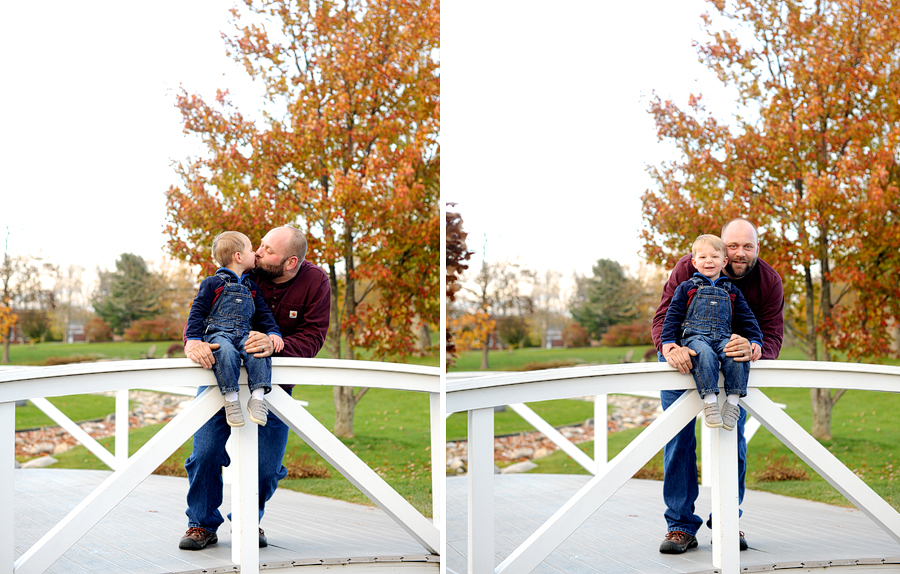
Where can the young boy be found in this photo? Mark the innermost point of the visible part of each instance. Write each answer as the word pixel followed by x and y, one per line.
pixel 700 316
pixel 227 305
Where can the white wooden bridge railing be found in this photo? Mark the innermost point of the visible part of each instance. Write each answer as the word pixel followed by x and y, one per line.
pixel 42 382
pixel 601 439
pixel 478 397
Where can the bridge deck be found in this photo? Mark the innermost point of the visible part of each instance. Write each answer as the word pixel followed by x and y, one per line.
pixel 141 534
pixel 624 535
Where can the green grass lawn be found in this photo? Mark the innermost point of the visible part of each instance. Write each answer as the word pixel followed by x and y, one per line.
pixel 79 408
pixel 41 353
pixel 519 359
pixel 48 353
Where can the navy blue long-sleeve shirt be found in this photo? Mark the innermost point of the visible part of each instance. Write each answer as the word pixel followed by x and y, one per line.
pixel 263 319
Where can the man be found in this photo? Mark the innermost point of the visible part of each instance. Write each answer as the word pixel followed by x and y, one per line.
pixel 762 288
pixel 299 295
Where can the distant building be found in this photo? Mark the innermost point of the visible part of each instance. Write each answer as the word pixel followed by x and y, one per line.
pixel 554 338
pixel 76 333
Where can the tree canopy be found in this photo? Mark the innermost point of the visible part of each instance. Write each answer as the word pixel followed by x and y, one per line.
pixel 130 293
pixel 810 156
pixel 609 297
pixel 346 148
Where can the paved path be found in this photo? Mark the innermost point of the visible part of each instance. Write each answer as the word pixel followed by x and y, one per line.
pixel 624 535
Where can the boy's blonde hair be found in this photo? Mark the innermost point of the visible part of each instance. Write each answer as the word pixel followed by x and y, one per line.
pixel 226 244
pixel 713 241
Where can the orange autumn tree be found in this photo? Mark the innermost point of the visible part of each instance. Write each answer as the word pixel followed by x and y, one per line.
pixel 810 156
pixel 346 148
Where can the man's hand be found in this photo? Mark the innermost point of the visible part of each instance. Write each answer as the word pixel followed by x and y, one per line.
pixel 679 357
pixel 258 344
pixel 201 352
pixel 738 348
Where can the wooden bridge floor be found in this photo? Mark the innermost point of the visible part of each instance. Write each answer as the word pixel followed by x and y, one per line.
pixel 141 534
pixel 624 535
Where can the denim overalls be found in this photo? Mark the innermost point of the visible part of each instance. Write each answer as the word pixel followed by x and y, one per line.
pixel 707 329
pixel 228 324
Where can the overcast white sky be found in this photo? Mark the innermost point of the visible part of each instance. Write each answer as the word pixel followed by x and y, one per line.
pixel 90 126
pixel 545 133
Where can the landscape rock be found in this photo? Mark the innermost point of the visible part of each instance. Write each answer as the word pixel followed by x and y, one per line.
pixel 39 462
pixel 518 467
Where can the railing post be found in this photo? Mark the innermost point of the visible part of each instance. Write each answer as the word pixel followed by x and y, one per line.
pixel 438 468
pixel 122 426
pixel 481 491
pixel 245 492
pixel 601 432
pixel 706 457
pixel 724 474
pixel 7 486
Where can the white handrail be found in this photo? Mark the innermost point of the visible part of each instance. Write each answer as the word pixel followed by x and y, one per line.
pixel 601 433
pixel 480 395
pixel 130 471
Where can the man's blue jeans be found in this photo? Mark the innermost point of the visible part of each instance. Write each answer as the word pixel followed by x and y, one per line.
pixel 204 467
pixel 680 484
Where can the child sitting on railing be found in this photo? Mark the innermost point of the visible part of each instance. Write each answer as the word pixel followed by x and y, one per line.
pixel 700 317
pixel 225 308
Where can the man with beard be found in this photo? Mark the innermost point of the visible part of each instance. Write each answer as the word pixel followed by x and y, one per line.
pixel 299 296
pixel 762 288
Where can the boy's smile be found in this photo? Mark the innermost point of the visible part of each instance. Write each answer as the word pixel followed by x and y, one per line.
pixel 709 261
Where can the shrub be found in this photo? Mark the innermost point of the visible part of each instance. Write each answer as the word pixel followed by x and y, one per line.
pixel 780 469
pixel 153 330
pixel 303 467
pixel 574 335
pixel 97 331
pixel 637 333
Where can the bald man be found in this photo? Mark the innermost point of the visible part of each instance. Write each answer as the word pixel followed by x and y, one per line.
pixel 764 293
pixel 299 296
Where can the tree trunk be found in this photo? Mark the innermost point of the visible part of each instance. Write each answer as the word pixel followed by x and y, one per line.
pixel 810 347
pixel 822 405
pixel 344 398
pixel 484 354
pixel 344 406
pixel 821 399
pixel 333 339
pixel 6 347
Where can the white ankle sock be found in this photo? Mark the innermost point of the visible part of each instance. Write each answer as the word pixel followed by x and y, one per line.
pixel 733 399
pixel 258 394
pixel 231 396
pixel 710 398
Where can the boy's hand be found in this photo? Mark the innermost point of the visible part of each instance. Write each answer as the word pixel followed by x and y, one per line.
pixel 277 343
pixel 756 352
pixel 679 357
pixel 200 352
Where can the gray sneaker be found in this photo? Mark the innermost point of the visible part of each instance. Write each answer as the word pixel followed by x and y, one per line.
pixel 259 411
pixel 711 415
pixel 233 415
pixel 730 415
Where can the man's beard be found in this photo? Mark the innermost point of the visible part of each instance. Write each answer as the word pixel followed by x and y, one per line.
pixel 729 269
pixel 270 272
